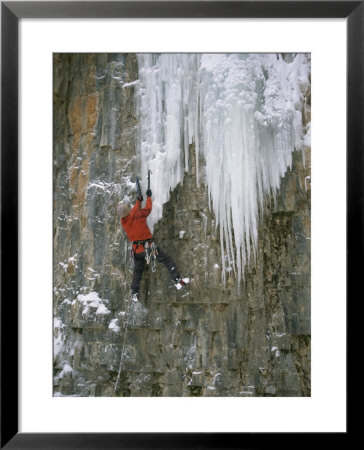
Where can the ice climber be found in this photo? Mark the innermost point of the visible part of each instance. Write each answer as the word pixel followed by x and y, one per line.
pixel 134 223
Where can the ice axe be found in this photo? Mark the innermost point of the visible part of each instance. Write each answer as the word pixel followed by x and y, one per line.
pixel 149 172
pixel 139 193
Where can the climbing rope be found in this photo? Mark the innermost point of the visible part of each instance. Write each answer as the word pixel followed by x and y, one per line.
pixel 125 326
pixel 151 253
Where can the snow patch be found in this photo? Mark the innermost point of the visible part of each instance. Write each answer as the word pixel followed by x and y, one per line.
pixel 67 369
pixel 92 300
pixel 57 323
pixel 114 326
pixel 133 83
pixel 57 345
pixel 104 187
pixel 102 310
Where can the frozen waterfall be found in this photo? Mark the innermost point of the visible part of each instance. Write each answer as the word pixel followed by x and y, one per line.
pixel 243 113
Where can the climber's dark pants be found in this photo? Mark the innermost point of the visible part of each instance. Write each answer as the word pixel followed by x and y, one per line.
pixel 139 265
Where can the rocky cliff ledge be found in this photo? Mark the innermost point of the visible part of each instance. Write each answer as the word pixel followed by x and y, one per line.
pixel 209 340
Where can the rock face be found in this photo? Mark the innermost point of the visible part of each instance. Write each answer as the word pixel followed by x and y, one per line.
pixel 207 340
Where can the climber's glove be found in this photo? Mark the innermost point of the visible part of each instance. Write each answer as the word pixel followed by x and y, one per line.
pixel 149 193
pixel 140 198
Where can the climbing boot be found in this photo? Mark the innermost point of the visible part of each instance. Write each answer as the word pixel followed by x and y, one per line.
pixel 135 296
pixel 181 282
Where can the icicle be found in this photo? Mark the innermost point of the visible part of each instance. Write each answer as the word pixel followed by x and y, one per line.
pixel 243 114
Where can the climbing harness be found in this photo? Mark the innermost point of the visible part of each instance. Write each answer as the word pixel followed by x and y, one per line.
pixel 138 243
pixel 151 252
pixel 125 326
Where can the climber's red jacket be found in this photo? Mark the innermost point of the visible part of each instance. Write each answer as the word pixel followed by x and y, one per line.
pixel 135 224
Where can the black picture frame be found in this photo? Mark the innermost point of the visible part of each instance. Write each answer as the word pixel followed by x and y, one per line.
pixel 11 12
